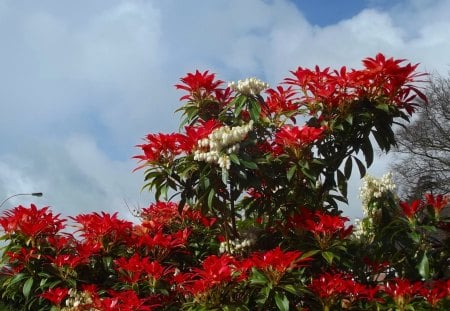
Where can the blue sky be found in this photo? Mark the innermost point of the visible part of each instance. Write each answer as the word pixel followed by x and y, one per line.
pixel 82 81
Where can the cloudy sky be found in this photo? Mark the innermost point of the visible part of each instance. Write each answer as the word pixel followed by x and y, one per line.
pixel 81 82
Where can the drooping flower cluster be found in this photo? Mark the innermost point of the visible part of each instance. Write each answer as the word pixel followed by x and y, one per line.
pixel 220 143
pixel 249 86
pixel 373 187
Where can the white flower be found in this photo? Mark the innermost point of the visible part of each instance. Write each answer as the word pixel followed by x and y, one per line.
pixel 220 143
pixel 249 86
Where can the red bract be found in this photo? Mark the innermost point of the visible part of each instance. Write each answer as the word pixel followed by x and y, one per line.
pixel 436 291
pixel 19 259
pixel 55 295
pixel 161 215
pixel 136 268
pixel 160 148
pixel 387 77
pixel 410 209
pixel 63 260
pixel 296 137
pixel 438 202
pixel 199 85
pixel 160 244
pixel 402 291
pixel 125 301
pixel 281 100
pixel 103 228
pixel 381 77
pixel 278 260
pixel 194 133
pixel 31 222
pixel 331 286
pixel 215 271
pixel 326 224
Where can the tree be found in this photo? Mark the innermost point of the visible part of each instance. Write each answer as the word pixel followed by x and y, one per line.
pixel 424 145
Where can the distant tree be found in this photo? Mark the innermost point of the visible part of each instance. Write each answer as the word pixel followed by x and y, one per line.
pixel 424 145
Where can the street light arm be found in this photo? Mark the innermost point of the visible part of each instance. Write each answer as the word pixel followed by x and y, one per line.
pixel 35 194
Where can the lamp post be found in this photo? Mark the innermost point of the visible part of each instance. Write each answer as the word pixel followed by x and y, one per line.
pixel 35 194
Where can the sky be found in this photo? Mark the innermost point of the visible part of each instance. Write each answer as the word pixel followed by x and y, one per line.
pixel 82 82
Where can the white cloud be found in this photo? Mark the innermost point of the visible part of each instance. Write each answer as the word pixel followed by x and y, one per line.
pixel 81 84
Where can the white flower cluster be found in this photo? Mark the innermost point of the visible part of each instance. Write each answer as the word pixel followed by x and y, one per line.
pixel 224 139
pixel 375 188
pixel 358 228
pixel 235 246
pixel 77 300
pixel 249 86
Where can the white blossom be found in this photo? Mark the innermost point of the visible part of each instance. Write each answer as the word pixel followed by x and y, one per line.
pixel 220 143
pixel 249 86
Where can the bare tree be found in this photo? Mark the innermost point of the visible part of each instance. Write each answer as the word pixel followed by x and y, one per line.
pixel 424 145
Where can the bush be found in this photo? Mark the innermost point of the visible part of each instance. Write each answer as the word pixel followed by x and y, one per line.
pixel 246 213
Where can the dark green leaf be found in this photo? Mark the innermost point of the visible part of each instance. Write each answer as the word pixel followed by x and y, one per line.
pixel 281 301
pixel 367 150
pixel 424 267
pixel 249 164
pixel 348 167
pixel 255 110
pixel 291 172
pixel 342 183
pixel 27 287
pixel 234 158
pixel 361 167
pixel 258 278
pixel 328 256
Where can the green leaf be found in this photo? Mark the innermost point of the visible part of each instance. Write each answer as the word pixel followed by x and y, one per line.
pixel 281 301
pixel 211 195
pixel 342 183
pixel 27 287
pixel 383 107
pixel 291 172
pixel 249 164
pixel 309 253
pixel 258 278
pixel 225 176
pixel 263 295
pixel 255 110
pixel 361 167
pixel 367 150
pixel 328 256
pixel 349 119
pixel 348 167
pixel 234 158
pixel 291 289
pixel 424 267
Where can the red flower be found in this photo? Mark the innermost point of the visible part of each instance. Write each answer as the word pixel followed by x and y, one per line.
pixel 402 290
pixel 199 85
pixel 31 222
pixel 67 260
pixel 55 295
pixel 136 268
pixel 281 100
pixel 436 291
pixel 103 228
pixel 437 202
pixel 160 148
pixel 194 133
pixel 410 209
pixel 125 301
pixel 297 137
pixel 325 224
pixel 278 260
pixel 215 271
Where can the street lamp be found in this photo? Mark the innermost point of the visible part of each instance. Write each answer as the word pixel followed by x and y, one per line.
pixel 35 194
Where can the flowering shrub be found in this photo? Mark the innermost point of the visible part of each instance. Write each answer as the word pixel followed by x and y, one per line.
pixel 246 213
